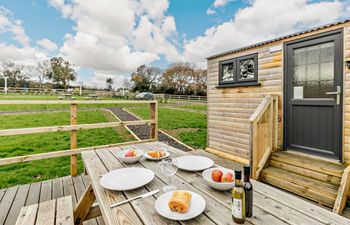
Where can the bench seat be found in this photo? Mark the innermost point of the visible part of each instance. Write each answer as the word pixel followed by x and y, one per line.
pixel 54 212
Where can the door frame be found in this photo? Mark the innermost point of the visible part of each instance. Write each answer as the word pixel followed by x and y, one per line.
pixel 286 80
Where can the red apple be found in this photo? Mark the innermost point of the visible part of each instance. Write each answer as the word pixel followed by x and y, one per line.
pixel 216 175
pixel 228 177
pixel 130 153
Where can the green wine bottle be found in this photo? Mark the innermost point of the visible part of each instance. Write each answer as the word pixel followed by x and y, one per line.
pixel 238 199
pixel 248 189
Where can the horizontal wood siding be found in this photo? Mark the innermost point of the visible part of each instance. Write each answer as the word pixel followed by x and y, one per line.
pixel 229 109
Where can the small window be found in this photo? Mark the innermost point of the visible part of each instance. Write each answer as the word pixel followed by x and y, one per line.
pixel 239 70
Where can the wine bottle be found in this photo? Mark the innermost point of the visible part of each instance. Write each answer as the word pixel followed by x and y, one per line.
pixel 238 200
pixel 248 191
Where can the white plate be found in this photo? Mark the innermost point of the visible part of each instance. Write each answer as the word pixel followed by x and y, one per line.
pixel 194 163
pixel 221 186
pixel 166 154
pixel 126 178
pixel 197 206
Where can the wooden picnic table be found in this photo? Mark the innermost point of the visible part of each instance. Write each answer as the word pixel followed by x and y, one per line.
pixel 271 206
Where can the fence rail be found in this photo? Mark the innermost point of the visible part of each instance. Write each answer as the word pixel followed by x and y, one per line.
pixel 182 97
pixel 74 128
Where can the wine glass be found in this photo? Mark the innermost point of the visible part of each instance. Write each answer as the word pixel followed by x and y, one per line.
pixel 165 145
pixel 169 168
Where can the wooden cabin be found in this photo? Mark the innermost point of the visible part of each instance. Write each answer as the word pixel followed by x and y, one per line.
pixel 283 106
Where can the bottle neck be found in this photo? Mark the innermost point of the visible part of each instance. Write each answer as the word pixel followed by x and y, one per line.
pixel 237 182
pixel 246 178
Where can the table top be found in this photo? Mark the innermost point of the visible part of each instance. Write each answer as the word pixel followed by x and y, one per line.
pixel 271 206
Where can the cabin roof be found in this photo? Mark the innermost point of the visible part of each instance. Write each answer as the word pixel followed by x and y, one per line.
pixel 277 39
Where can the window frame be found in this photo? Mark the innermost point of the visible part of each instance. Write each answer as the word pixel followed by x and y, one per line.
pixel 221 63
pixel 236 82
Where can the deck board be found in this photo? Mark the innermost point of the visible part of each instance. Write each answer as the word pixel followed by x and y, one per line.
pixel 6 203
pixel 34 193
pixel 14 198
pixel 17 204
pixel 57 188
pixel 46 191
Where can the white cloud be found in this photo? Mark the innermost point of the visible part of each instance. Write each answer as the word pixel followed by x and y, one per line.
pixel 8 24
pixel 118 36
pixel 255 23
pixel 220 3
pixel 217 4
pixel 26 54
pixel 99 80
pixel 47 44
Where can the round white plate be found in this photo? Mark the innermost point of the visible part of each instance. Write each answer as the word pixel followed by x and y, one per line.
pixel 126 178
pixel 197 206
pixel 194 163
pixel 166 154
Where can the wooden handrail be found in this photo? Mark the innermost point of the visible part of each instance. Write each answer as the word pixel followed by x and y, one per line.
pixel 263 133
pixel 37 130
pixel 68 102
pixel 261 109
pixel 74 127
pixel 69 152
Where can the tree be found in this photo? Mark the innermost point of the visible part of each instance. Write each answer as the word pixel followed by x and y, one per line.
pixel 178 78
pixel 109 83
pixel 200 79
pixel 17 74
pixel 43 69
pixel 60 72
pixel 146 78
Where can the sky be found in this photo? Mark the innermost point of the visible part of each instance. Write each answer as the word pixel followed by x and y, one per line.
pixel 111 38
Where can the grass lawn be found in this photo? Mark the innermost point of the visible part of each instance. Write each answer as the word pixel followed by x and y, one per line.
pixel 188 127
pixel 38 143
pixel 194 106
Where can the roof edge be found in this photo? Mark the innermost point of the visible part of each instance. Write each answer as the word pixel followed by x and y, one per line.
pixel 277 39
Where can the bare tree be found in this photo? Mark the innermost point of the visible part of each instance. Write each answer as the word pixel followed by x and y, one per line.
pixel 42 68
pixel 146 78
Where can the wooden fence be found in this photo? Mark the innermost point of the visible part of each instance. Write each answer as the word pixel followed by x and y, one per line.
pixel 182 97
pixel 74 127
pixel 263 133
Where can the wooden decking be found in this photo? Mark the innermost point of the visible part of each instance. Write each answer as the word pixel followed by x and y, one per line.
pixel 14 198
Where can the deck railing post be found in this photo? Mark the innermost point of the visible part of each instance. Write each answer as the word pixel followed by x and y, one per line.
pixel 74 138
pixel 154 116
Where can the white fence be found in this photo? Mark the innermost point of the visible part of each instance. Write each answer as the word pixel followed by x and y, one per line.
pixel 182 97
pixel 46 91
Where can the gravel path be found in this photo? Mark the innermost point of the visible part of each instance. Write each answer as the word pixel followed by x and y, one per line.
pixel 142 131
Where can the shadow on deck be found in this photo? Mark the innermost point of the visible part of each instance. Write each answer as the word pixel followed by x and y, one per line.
pixel 14 198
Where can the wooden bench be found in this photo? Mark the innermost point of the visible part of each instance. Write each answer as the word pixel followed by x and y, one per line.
pixel 54 212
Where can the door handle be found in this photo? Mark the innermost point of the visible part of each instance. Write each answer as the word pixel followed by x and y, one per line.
pixel 336 93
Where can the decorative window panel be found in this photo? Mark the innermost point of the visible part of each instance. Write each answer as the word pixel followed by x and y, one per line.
pixel 314 69
pixel 239 70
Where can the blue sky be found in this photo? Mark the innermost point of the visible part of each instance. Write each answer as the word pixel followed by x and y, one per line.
pixel 112 37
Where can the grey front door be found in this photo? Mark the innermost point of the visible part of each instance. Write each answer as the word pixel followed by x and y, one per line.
pixel 313 89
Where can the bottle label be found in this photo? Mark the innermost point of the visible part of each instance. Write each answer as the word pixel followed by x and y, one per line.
pixel 237 208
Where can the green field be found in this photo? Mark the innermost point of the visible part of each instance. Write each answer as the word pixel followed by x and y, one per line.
pixel 188 127
pixel 38 143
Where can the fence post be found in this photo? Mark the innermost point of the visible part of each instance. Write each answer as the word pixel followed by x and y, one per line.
pixel 154 116
pixel 73 139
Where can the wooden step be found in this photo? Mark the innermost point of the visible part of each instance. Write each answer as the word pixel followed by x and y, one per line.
pixel 305 172
pixel 321 192
pixel 309 163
